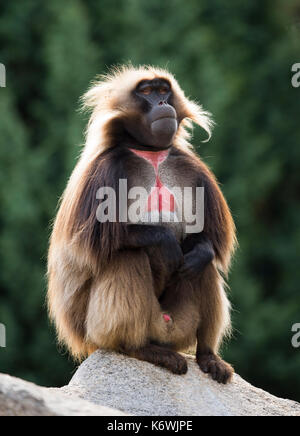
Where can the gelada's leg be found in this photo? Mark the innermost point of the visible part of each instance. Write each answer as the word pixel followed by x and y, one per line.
pixel 200 311
pixel 214 326
pixel 124 313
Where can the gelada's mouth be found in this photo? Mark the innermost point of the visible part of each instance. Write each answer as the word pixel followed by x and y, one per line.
pixel 164 127
pixel 164 117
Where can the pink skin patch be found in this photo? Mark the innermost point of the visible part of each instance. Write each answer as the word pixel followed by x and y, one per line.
pixel 167 318
pixel 161 198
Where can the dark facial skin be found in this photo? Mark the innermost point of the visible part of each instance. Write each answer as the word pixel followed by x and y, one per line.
pixel 157 125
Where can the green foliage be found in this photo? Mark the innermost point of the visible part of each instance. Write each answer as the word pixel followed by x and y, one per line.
pixel 235 58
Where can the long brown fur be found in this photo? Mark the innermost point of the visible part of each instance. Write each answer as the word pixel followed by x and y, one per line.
pixel 101 296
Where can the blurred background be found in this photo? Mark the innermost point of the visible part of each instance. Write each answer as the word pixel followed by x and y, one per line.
pixel 235 58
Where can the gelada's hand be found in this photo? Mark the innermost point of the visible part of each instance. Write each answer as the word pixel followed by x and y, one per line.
pixel 196 260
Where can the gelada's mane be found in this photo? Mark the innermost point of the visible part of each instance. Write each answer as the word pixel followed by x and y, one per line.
pixel 108 99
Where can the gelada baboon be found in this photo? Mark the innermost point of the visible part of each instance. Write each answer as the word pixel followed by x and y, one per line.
pixel 146 289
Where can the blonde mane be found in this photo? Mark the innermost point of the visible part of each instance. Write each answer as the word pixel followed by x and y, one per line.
pixel 108 100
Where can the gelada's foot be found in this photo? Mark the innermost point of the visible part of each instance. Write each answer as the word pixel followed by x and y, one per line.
pixel 212 364
pixel 161 356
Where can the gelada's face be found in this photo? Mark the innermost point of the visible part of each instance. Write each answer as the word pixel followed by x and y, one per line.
pixel 158 124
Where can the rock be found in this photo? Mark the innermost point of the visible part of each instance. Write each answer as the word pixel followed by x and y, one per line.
pixel 20 398
pixel 140 388
pixel 112 384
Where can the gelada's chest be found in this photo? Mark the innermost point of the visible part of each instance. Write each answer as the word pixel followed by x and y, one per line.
pixel 159 190
pixel 155 174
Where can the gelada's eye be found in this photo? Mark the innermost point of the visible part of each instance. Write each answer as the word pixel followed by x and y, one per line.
pixel 163 90
pixel 146 91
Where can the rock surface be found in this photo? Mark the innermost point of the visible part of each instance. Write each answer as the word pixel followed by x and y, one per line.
pixel 112 384
pixel 20 398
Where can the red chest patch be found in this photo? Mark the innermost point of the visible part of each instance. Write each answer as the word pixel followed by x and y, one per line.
pixel 160 198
